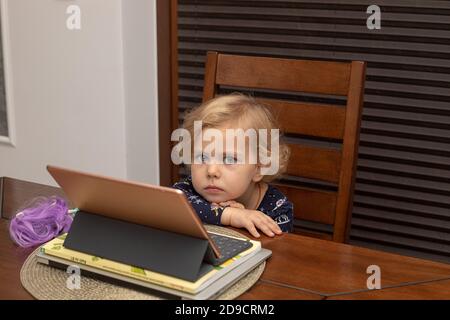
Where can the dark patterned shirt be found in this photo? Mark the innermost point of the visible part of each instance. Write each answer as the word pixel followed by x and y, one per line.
pixel 274 204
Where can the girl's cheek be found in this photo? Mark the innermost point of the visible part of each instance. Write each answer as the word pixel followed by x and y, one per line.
pixel 196 169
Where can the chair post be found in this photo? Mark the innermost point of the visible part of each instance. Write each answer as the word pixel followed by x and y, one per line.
pixel 344 204
pixel 209 87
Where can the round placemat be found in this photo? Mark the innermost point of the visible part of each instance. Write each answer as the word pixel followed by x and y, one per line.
pixel 46 283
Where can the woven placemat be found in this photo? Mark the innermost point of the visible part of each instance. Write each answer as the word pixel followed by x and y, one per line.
pixel 47 283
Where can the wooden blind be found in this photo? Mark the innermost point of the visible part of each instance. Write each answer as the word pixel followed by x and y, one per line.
pixel 402 193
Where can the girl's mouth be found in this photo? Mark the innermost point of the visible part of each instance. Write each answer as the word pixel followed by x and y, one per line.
pixel 213 189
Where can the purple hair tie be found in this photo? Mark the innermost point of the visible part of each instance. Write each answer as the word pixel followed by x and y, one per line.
pixel 40 222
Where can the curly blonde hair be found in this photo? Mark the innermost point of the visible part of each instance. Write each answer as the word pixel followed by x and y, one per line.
pixel 241 110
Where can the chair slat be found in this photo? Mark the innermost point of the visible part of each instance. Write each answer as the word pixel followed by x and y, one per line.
pixel 312 205
pixel 314 163
pixel 313 234
pixel 283 74
pixel 303 118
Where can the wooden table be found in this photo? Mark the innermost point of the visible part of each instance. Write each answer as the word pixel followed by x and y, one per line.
pixel 300 267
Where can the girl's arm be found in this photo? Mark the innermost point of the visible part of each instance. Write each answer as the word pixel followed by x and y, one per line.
pixel 274 220
pixel 283 214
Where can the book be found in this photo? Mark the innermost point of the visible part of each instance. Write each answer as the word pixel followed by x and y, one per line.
pixel 56 248
pixel 212 291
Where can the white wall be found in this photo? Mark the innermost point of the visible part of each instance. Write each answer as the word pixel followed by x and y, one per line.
pixel 77 94
pixel 141 100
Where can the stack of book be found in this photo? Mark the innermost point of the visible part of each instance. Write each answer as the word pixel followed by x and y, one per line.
pixel 212 280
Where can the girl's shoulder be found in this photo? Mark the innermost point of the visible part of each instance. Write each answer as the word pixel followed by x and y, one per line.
pixel 274 192
pixel 273 198
pixel 183 184
pixel 186 180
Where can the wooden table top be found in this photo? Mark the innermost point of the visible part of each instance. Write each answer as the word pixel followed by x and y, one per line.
pixel 434 290
pixel 300 267
pixel 327 268
pixel 11 259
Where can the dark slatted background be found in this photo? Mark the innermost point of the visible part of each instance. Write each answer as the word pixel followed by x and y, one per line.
pixel 402 196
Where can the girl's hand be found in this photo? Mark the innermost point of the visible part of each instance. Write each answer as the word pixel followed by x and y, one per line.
pixel 251 220
pixel 232 203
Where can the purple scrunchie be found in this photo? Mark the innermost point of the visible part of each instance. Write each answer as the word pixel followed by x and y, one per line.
pixel 44 220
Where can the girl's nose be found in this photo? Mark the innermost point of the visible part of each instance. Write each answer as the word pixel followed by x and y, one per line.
pixel 213 170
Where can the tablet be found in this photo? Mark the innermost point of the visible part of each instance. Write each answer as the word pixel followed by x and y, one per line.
pixel 154 206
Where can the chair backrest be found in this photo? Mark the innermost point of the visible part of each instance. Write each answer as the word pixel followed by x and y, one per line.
pixel 326 121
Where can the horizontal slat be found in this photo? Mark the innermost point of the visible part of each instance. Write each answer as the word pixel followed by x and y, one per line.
pixel 401 219
pixel 404 205
pixel 409 75
pixel 404 170
pixel 418 159
pixel 408 118
pixel 316 163
pixel 403 230
pixel 309 204
pixel 404 195
pixel 302 118
pixel 317 227
pixel 403 183
pixel 191 82
pixel 412 145
pixel 406 104
pixel 285 73
pixel 424 91
pixel 311 233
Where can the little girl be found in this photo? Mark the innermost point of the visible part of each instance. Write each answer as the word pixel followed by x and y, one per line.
pixel 231 193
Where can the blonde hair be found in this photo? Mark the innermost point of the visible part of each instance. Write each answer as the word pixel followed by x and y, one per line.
pixel 239 109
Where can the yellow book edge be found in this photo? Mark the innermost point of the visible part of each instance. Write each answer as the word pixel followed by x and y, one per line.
pixel 55 248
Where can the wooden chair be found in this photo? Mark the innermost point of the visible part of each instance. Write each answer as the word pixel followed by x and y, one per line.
pixel 341 123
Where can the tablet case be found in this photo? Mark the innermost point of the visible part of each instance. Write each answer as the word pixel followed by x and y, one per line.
pixel 141 246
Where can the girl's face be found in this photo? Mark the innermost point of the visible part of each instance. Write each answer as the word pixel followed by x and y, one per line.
pixel 219 182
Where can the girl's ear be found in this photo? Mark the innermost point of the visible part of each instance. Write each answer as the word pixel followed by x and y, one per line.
pixel 257 177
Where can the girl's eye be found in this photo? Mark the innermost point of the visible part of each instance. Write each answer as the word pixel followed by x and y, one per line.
pixel 202 158
pixel 230 160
